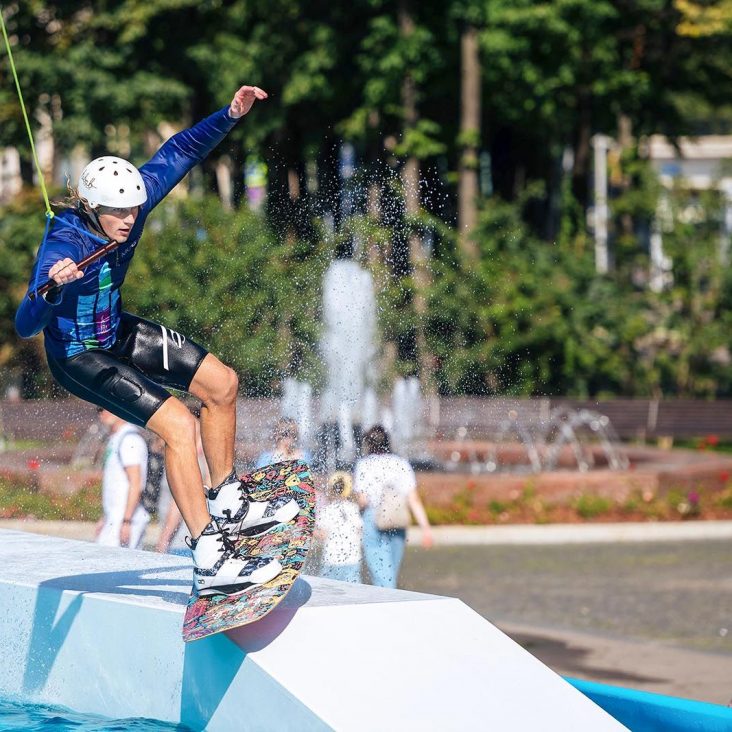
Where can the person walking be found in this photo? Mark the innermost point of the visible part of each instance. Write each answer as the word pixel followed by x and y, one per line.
pixel 124 517
pixel 125 364
pixel 386 489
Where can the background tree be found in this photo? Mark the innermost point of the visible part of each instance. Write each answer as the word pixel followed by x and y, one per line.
pixel 522 311
pixel 470 126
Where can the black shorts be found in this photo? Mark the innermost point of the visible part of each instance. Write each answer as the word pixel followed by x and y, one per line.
pixel 128 379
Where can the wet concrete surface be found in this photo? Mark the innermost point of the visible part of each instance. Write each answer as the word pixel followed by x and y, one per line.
pixel 656 617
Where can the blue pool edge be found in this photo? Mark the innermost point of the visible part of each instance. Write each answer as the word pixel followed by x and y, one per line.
pixel 644 711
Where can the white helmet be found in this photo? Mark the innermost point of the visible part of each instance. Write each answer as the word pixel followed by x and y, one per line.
pixel 111 181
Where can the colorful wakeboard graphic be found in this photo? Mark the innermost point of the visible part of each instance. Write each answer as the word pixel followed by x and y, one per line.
pixel 288 543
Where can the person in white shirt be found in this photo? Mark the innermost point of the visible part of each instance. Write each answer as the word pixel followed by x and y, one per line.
pixel 125 473
pixel 340 528
pixel 377 474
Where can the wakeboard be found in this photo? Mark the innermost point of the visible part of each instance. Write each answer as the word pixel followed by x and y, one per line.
pixel 288 543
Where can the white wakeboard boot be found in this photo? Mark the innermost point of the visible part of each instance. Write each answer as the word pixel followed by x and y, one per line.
pixel 239 515
pixel 219 569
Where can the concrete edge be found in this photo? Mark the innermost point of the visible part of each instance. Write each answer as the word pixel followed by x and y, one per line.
pixel 538 534
pixel 513 534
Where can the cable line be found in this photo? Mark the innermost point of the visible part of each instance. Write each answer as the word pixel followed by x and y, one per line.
pixel 49 213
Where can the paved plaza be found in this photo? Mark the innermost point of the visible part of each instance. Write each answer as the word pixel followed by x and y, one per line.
pixel 652 616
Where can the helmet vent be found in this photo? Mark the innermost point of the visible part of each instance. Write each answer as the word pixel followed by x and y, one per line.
pixel 102 168
pixel 121 190
pixel 116 173
pixel 138 188
pixel 114 162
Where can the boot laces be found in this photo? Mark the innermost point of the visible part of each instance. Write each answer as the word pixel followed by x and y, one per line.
pixel 227 543
pixel 234 527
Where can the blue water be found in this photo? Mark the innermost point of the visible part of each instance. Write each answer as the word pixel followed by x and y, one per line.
pixel 16 715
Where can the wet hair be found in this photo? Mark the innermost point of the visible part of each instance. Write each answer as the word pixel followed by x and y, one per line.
pixel 376 441
pixel 285 428
pixel 70 200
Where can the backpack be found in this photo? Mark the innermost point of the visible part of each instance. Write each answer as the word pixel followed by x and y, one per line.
pixel 392 511
pixel 151 489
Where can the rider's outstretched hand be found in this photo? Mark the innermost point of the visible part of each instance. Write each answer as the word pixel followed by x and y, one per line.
pixel 244 99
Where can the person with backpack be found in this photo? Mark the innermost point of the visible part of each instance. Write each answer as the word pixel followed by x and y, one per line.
pixel 386 489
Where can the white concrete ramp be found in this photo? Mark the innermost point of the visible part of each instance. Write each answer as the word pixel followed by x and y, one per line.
pixel 98 630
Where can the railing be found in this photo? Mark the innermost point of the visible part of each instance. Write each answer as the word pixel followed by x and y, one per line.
pixel 630 418
pixel 481 417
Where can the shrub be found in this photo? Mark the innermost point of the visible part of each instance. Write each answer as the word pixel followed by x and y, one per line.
pixel 589 506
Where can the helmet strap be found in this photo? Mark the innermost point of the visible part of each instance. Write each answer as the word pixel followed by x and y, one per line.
pixel 93 217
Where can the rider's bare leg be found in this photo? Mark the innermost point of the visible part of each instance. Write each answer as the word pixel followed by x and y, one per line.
pixel 216 385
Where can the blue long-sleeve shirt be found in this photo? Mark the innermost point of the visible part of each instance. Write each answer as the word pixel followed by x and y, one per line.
pixel 85 314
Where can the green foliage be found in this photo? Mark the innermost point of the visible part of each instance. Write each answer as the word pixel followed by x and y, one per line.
pixel 589 505
pixel 421 141
pixel 531 316
pixel 21 230
pixel 224 280
pixel 386 54
pixel 472 505
pixel 22 500
pixel 724 499
pixel 497 507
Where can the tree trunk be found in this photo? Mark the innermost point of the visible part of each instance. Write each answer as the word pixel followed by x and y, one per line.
pixel 224 175
pixel 374 151
pixel 410 181
pixel 582 148
pixel 583 135
pixel 27 170
pixel 625 142
pixel 468 184
pixel 293 184
pixel 45 145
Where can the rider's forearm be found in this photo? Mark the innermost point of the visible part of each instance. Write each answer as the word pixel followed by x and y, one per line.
pixel 33 315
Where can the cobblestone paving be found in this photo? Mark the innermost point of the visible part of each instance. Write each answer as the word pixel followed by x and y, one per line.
pixel 679 594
